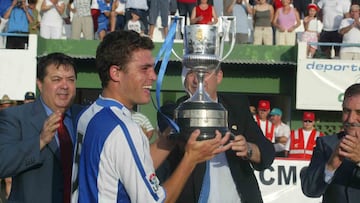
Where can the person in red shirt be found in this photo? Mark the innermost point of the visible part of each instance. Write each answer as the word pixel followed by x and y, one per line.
pixel 303 140
pixel 204 13
pixel 277 4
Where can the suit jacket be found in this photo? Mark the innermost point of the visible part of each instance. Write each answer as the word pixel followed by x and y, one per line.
pixel 37 175
pixel 345 186
pixel 242 171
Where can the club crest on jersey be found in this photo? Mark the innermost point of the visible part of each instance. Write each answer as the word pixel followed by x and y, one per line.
pixel 154 181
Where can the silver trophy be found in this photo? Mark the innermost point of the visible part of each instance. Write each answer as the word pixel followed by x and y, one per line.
pixel 203 50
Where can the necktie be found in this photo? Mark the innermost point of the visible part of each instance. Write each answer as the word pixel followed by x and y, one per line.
pixel 66 154
pixel 205 189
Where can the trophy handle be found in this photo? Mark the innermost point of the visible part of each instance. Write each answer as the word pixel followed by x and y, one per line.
pixel 179 29
pixel 225 25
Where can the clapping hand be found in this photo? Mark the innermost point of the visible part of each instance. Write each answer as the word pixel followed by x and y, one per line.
pixel 349 147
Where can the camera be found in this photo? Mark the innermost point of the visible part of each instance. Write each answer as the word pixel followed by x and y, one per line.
pixel 19 3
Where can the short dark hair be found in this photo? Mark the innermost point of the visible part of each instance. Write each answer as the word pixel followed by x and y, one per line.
pixel 352 90
pixel 56 59
pixel 116 49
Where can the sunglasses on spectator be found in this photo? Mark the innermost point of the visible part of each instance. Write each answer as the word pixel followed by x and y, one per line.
pixel 308 121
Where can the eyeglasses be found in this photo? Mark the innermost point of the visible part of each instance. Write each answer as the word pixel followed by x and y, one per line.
pixel 308 121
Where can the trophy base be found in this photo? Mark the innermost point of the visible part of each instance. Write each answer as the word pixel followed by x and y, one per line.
pixel 205 116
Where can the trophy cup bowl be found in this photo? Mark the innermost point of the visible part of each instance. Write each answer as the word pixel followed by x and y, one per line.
pixel 202 54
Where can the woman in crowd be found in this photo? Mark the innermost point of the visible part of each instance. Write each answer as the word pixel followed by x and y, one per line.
pixel 286 20
pixel 204 13
pixel 263 14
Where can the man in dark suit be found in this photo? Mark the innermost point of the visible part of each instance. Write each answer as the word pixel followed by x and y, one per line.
pixel 334 171
pixel 30 140
pixel 232 177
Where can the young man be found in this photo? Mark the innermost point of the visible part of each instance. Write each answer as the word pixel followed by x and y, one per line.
pixel 334 168
pixel 231 174
pixel 33 151
pixel 116 162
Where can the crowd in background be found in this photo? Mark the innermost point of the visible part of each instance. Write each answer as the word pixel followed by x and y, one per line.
pixel 261 22
pixel 296 143
pixel 101 153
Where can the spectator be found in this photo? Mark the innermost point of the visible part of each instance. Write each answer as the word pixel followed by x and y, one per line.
pixel 172 7
pixel 29 97
pixel 350 29
pixel 144 123
pixel 95 13
pixel 135 24
pixel 286 20
pixel 66 20
pixel 156 7
pixel 277 4
pixel 51 24
pixel 331 14
pixel 117 21
pixel 263 14
pixel 203 13
pixel 240 9
pixel 301 7
pixel 311 34
pixel 103 20
pixel 35 25
pixel 252 110
pixel 82 20
pixel 4 5
pixel 33 150
pixel 19 16
pixel 6 102
pixel 231 174
pixel 185 8
pixel 302 141
pixel 219 6
pixel 281 132
pixel 262 120
pixel 141 8
pixel 333 172
pixel 115 160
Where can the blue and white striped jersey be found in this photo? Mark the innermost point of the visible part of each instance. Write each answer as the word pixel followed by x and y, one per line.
pixel 115 163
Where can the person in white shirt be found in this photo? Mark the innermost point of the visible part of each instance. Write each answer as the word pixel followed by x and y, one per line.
pixel 262 119
pixel 135 23
pixel 350 30
pixel 281 132
pixel 332 12
pixel 51 24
